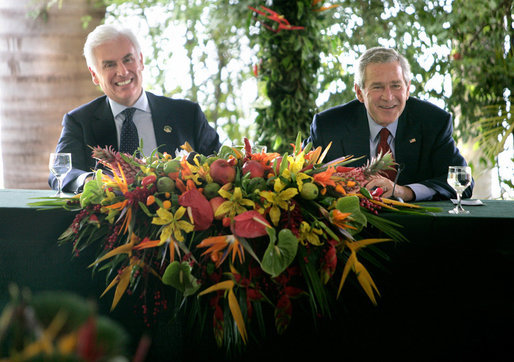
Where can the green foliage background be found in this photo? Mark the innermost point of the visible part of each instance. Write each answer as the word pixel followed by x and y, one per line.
pixel 467 44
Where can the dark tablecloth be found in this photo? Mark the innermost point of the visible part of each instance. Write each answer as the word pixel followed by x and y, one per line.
pixel 447 294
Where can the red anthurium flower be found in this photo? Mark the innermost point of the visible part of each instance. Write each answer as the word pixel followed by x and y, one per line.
pixel 200 207
pixel 249 224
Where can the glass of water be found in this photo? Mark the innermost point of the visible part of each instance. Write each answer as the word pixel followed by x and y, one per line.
pixel 59 164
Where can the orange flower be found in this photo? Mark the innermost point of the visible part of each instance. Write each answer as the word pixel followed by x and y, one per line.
pixel 339 219
pixel 217 244
pixel 325 178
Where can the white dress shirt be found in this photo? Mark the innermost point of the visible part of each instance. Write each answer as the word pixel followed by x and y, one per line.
pixel 421 192
pixel 142 119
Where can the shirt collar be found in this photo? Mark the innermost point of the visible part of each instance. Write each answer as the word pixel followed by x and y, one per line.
pixel 375 128
pixel 141 104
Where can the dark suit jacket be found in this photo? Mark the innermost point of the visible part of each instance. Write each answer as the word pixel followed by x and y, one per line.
pixel 424 146
pixel 93 124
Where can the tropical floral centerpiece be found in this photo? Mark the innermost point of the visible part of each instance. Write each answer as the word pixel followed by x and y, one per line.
pixel 233 231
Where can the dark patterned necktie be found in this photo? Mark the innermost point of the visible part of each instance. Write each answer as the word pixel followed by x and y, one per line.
pixel 129 139
pixel 383 147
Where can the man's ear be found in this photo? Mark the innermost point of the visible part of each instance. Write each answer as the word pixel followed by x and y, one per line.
pixel 141 61
pixel 94 77
pixel 358 92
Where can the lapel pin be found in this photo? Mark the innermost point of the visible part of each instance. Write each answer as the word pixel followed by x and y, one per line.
pixel 412 140
pixel 167 129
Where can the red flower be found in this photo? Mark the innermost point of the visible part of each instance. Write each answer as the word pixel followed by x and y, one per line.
pixel 249 224
pixel 329 262
pixel 200 208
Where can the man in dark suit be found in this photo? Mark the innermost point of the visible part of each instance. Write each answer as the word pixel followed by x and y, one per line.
pixel 420 133
pixel 115 62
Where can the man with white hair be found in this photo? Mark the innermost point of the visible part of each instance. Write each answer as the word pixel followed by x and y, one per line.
pixel 126 114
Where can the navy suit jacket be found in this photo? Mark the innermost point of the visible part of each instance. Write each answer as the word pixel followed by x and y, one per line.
pixel 93 124
pixel 424 146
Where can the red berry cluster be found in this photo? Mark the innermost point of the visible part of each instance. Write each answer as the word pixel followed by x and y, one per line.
pixel 371 206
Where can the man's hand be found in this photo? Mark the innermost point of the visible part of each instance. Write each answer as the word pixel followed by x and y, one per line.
pixel 403 192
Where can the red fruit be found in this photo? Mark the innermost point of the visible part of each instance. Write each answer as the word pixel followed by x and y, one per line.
pixel 215 203
pixel 222 172
pixel 255 168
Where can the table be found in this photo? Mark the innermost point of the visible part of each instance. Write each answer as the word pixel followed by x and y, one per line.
pixel 446 295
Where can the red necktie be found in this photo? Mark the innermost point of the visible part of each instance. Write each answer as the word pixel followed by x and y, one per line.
pixel 383 147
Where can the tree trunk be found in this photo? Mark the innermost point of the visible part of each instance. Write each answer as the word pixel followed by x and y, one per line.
pixel 42 76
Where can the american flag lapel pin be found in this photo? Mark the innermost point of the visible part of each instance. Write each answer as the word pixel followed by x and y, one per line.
pixel 167 129
pixel 412 140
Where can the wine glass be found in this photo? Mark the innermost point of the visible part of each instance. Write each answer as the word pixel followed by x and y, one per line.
pixel 459 178
pixel 60 165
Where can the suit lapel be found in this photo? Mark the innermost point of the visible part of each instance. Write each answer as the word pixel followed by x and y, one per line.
pixel 355 136
pixel 408 141
pixel 103 126
pixel 165 127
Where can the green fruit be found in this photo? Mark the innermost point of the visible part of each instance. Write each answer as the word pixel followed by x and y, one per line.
pixel 309 191
pixel 211 159
pixel 172 166
pixel 211 190
pixel 165 184
pixel 256 183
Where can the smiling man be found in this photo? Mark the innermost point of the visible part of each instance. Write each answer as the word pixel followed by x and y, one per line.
pixel 417 133
pixel 126 115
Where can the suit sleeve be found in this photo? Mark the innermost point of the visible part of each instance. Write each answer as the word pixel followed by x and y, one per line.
pixel 315 136
pixel 72 141
pixel 444 154
pixel 207 139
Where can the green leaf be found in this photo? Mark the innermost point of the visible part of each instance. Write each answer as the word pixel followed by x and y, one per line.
pixel 279 256
pixel 93 192
pixel 178 275
pixel 351 204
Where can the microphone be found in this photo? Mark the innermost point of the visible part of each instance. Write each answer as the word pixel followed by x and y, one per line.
pixel 393 197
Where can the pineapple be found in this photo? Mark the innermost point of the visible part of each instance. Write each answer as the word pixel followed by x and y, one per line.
pixel 110 158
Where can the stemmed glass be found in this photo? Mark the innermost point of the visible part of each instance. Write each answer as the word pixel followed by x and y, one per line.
pixel 459 178
pixel 60 165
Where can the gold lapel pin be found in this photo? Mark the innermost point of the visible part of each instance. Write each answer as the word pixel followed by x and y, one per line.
pixel 167 129
pixel 412 140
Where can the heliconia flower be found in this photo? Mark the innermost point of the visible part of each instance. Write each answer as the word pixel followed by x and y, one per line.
pixel 283 24
pixel 328 262
pixel 283 313
pixel 249 224
pixel 218 320
pixel 200 207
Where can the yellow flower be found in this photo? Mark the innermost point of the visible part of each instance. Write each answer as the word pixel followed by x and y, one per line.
pixel 278 199
pixel 296 162
pixel 235 203
pixel 172 224
pixel 300 178
pixel 309 234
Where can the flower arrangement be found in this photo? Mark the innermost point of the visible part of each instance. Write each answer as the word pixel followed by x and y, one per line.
pixel 233 231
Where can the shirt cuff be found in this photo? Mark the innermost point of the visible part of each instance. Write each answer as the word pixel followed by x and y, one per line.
pixel 421 192
pixel 82 179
